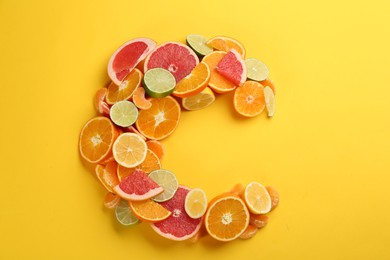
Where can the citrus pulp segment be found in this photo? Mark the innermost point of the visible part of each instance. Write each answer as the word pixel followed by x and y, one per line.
pixel 140 100
pixel 129 150
pixel 269 83
pixel 196 203
pixel 127 56
pixel 96 139
pixel 124 215
pixel 149 211
pixel 249 232
pixel 274 194
pixel 256 69
pixel 177 58
pixel 269 101
pixel 125 89
pixel 168 181
pixel 111 200
pixel 159 82
pixel 198 44
pixel 107 175
pixel 160 120
pixel 223 43
pixel 258 220
pixel 100 101
pixel 249 99
pixel 257 198
pixel 199 101
pixel 124 113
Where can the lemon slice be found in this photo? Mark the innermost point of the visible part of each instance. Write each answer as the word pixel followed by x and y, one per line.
pixel 199 101
pixel 269 101
pixel 195 203
pixel 257 198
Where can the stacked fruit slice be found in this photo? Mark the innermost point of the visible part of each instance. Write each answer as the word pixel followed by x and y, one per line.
pixel 141 106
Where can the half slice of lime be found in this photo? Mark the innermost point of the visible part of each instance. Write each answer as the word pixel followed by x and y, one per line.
pixel 124 113
pixel 256 69
pixel 269 101
pixel 159 82
pixel 124 214
pixel 198 44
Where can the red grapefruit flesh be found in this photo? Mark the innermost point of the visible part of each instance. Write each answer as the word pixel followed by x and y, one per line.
pixel 137 186
pixel 233 68
pixel 127 56
pixel 175 57
pixel 179 226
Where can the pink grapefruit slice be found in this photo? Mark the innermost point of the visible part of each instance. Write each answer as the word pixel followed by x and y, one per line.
pixel 137 186
pixel 127 56
pixel 177 58
pixel 233 68
pixel 178 226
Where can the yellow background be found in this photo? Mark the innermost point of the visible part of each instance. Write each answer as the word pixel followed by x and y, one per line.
pixel 326 150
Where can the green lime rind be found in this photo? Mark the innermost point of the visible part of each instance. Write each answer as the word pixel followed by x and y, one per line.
pixel 269 101
pixel 124 215
pixel 124 113
pixel 158 82
pixel 198 44
pixel 256 70
pixel 168 181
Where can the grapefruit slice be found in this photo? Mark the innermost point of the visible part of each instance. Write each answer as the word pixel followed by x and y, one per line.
pixel 179 226
pixel 233 68
pixel 177 58
pixel 127 56
pixel 137 186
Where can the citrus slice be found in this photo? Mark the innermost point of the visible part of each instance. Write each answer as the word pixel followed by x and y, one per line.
pixel 223 43
pixel 179 226
pixel 159 82
pixel 198 44
pixel 249 99
pixel 257 198
pixel 138 186
pixel 100 101
pixel 269 101
pixel 233 68
pixel 196 203
pixel 125 89
pixel 149 211
pixel 168 181
pixel 107 175
pixel 157 148
pixel 127 56
pixel 199 101
pixel 129 150
pixel 217 82
pixel 160 120
pixel 124 113
pixel 124 214
pixel 140 100
pixel 274 194
pixel 194 82
pixel 258 220
pixel 96 139
pixel 256 69
pixel 226 218
pixel 249 232
pixel 150 164
pixel 269 83
pixel 177 58
pixel 111 200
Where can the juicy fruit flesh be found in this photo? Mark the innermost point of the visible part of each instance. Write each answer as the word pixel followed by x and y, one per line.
pixel 232 67
pixel 127 58
pixel 176 58
pixel 138 183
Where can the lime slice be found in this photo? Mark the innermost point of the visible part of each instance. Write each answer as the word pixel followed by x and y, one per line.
pixel 159 82
pixel 124 214
pixel 124 113
pixel 269 101
pixel 256 69
pixel 198 44
pixel 199 101
pixel 168 181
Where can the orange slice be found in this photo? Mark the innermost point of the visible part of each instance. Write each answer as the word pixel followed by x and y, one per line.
pixel 217 82
pixel 149 211
pixel 139 99
pixel 226 218
pixel 257 198
pixel 249 99
pixel 193 83
pixel 96 139
pixel 129 150
pixel 226 44
pixel 111 200
pixel 160 120
pixel 107 175
pixel 126 89
pixel 150 164
pixel 157 148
